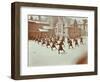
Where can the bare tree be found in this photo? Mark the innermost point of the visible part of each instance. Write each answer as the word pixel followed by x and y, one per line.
pixel 84 23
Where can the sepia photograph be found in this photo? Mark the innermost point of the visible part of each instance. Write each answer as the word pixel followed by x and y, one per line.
pixel 57 40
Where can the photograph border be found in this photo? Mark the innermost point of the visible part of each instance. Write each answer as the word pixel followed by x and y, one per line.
pixel 15 39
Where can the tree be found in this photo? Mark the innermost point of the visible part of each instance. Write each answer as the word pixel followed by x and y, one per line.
pixel 84 23
pixel 31 18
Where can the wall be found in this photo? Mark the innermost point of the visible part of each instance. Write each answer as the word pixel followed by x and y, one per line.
pixel 5 40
